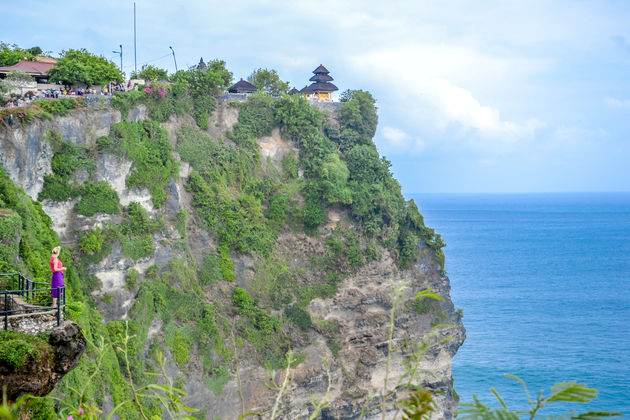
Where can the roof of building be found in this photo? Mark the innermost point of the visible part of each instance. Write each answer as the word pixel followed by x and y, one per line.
pixel 321 78
pixel 35 68
pixel 202 65
pixel 45 59
pixel 293 91
pixel 321 70
pixel 242 86
pixel 320 87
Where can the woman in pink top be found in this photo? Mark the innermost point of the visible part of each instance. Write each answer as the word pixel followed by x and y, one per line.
pixel 57 274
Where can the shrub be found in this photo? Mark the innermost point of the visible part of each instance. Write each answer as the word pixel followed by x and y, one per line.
pixel 95 198
pixel 61 106
pixel 132 278
pixel 138 221
pixel 290 166
pixel 210 270
pixel 181 223
pixel 147 144
pixel 92 242
pixel 226 265
pixel 15 352
pixel 138 247
pixel 298 316
pixel 124 101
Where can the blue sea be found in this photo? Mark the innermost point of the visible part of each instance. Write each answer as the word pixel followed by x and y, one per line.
pixel 544 282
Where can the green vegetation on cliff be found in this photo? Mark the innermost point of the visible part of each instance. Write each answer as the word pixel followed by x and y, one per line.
pixel 247 206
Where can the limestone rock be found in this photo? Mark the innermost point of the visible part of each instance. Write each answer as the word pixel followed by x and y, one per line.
pixel 40 375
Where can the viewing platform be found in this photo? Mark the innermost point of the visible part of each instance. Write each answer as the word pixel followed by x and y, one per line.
pixel 26 305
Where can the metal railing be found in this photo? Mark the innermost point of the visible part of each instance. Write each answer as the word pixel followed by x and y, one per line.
pixel 36 294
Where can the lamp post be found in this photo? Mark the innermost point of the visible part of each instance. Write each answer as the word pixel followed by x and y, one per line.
pixel 174 58
pixel 119 52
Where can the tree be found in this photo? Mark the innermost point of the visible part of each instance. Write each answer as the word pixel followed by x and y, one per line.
pixel 268 81
pixel 149 72
pixel 81 66
pixel 203 86
pixel 18 76
pixel 358 112
pixel 12 54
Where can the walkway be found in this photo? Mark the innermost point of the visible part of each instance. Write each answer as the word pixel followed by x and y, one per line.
pixel 26 305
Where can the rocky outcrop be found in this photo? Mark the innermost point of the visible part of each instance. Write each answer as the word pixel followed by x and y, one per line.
pixel 357 318
pixel 25 155
pixel 42 372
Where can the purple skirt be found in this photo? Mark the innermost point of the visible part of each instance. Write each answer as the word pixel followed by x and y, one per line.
pixel 57 281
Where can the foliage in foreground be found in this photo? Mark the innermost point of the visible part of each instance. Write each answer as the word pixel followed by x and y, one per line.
pixel 566 392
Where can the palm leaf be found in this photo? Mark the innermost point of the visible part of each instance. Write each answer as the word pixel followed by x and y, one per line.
pixel 571 392
pixel 595 415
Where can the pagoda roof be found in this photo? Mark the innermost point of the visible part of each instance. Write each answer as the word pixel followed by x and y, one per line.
pixel 321 78
pixel 320 87
pixel 321 70
pixel 242 86
pixel 34 68
pixel 294 91
pixel 202 65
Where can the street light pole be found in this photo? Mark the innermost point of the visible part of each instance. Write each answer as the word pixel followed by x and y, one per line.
pixel 119 52
pixel 174 58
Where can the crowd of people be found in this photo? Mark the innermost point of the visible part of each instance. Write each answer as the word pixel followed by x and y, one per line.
pixel 33 95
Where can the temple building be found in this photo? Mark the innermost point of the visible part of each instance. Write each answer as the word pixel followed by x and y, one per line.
pixel 242 86
pixel 321 88
pixel 36 69
pixel 202 65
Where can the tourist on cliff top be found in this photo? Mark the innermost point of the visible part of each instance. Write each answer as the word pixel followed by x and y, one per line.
pixel 57 274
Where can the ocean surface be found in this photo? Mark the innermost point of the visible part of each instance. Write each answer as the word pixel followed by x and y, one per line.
pixel 544 282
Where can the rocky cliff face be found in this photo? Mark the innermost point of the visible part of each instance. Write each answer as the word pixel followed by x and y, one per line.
pixel 343 354
pixel 43 370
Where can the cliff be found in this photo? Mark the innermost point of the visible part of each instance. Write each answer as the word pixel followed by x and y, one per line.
pixel 278 228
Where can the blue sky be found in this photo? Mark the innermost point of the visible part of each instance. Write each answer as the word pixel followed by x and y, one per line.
pixel 484 96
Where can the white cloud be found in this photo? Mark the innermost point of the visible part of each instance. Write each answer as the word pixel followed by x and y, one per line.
pixel 411 71
pixel 618 103
pixel 397 141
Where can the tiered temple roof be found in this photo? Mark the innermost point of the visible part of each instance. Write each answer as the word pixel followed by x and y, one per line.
pixel 321 81
pixel 242 86
pixel 202 65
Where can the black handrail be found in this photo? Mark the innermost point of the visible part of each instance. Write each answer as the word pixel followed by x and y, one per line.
pixel 28 289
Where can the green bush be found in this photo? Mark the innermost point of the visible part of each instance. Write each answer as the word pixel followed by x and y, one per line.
pixel 334 346
pixel 137 220
pixel 97 198
pixel 179 341
pixel 42 408
pixel 37 237
pixel 210 270
pixel 218 379
pixel 298 316
pixel 92 242
pixel 132 278
pixel 147 144
pixel 290 166
pixel 181 223
pixel 66 160
pixel 124 101
pixel 137 247
pixel 61 106
pixel 226 265
pixel 14 352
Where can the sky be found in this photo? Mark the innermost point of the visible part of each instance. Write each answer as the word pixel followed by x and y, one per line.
pixel 483 96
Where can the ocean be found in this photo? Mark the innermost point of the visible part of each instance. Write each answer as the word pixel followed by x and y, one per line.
pixel 544 282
